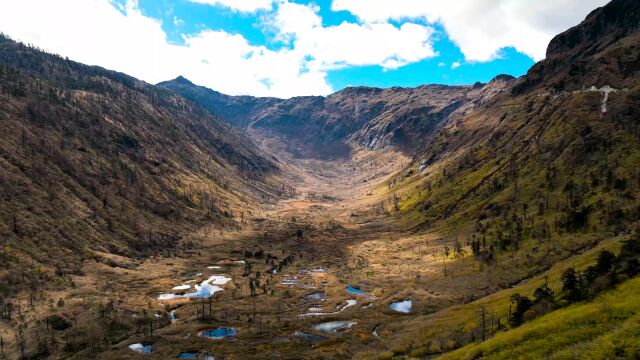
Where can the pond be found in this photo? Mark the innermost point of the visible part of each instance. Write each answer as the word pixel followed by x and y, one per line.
pixel 141 348
pixel 403 306
pixel 310 336
pixel 334 327
pixel 219 333
pixel 316 311
pixel 356 291
pixel 205 289
pixel 195 355
pixel 316 296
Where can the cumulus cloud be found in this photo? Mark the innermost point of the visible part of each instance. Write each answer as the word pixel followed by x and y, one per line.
pixel 94 32
pixel 482 27
pixel 121 37
pixel 292 18
pixel 239 5
pixel 350 44
pixel 124 39
pixel 455 65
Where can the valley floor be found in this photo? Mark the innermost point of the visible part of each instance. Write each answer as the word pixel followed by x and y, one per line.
pixel 311 276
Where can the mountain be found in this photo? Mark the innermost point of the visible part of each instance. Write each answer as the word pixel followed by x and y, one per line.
pixel 237 110
pixel 570 116
pixel 602 50
pixel 540 182
pixel 511 230
pixel 94 161
pixel 328 127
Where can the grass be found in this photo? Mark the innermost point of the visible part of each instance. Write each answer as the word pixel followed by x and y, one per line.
pixel 605 328
pixel 449 329
pixel 527 154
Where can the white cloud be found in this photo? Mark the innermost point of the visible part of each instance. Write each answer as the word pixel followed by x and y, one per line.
pixel 482 27
pixel 455 65
pixel 292 18
pixel 240 5
pixel 96 33
pixel 441 64
pixel 357 45
pixel 350 44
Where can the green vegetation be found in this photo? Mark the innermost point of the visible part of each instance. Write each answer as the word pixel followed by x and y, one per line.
pixel 533 191
pixel 604 328
pixel 509 234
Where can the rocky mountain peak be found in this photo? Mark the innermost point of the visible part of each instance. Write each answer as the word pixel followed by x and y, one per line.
pixel 602 26
pixel 602 51
pixel 182 80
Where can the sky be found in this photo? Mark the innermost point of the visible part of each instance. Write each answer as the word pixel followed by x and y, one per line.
pixel 288 48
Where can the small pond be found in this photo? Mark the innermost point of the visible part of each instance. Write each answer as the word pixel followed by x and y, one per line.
pixel 205 289
pixel 354 290
pixel 316 311
pixel 195 355
pixel 310 336
pixel 219 333
pixel 334 327
pixel 316 296
pixel 141 348
pixel 403 306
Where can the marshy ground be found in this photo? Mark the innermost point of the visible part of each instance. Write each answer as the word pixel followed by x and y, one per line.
pixel 310 276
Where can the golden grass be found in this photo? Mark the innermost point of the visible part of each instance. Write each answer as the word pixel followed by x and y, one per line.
pixel 603 329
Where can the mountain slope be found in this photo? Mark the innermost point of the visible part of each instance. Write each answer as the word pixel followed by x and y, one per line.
pixel 527 147
pixel 326 127
pixel 602 50
pixel 93 160
pixel 546 171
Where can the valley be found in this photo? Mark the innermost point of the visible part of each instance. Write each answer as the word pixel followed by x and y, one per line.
pixel 497 220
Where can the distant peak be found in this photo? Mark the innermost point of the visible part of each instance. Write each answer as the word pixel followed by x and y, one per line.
pixel 503 77
pixel 182 80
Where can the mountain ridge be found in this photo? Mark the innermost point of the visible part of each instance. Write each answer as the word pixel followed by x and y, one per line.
pixel 118 165
pixel 602 50
pixel 500 215
pixel 367 117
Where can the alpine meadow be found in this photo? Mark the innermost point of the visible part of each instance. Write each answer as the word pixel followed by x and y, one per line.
pixel 339 179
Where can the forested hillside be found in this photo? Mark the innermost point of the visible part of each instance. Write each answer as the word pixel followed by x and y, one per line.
pixel 525 184
pixel 93 160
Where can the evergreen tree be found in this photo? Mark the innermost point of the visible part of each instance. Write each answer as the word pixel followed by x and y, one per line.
pixel 571 286
pixel 522 305
pixel 606 260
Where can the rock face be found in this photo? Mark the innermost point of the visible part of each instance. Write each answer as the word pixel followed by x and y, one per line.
pixel 603 50
pixel 237 110
pixel 369 117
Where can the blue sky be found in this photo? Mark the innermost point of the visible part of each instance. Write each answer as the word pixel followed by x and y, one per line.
pixel 287 48
pixel 193 17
